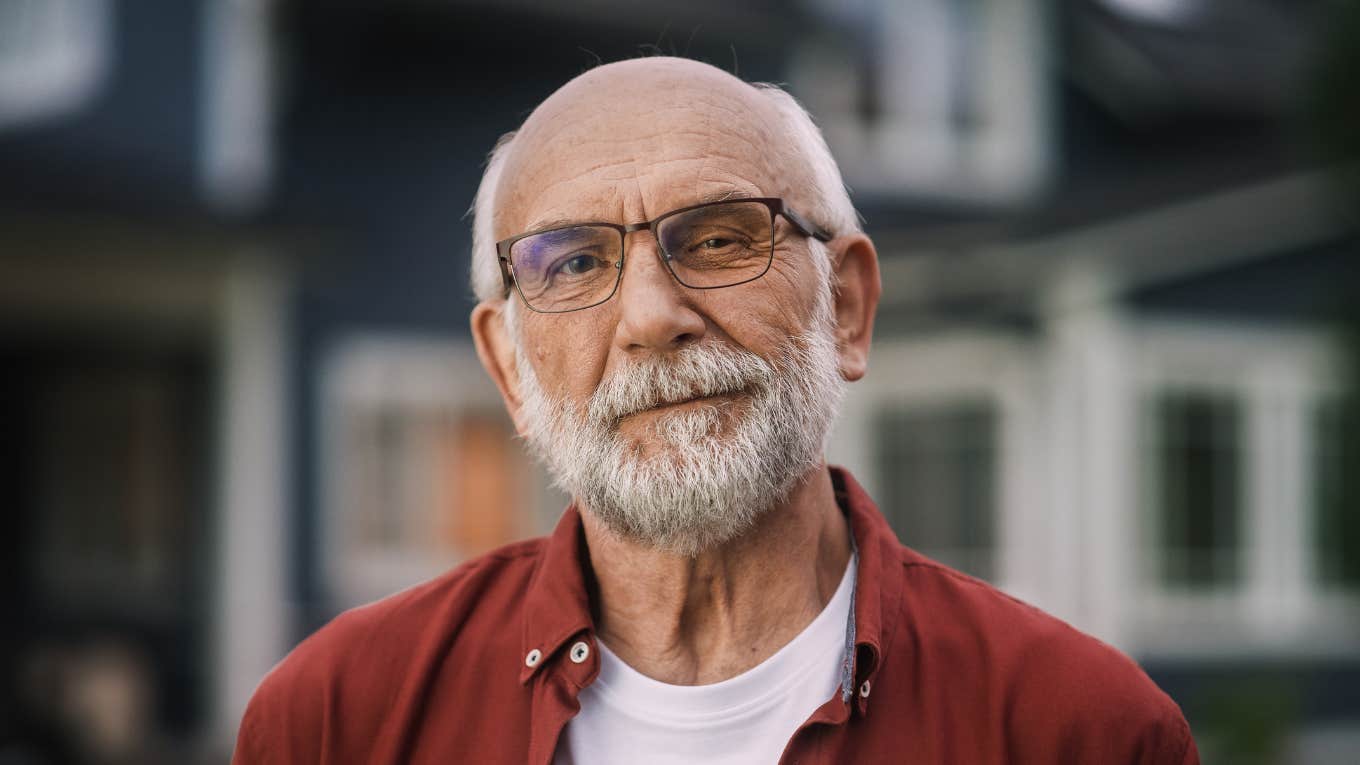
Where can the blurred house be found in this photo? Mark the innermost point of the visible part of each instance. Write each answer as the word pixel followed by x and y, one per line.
pixel 144 331
pixel 1148 432
pixel 240 397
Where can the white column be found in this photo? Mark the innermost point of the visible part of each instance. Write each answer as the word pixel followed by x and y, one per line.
pixel 251 619
pixel 1293 511
pixel 1022 511
pixel 236 148
pixel 1092 440
pixel 1274 528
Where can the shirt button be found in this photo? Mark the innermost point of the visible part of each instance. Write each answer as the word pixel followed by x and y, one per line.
pixel 533 658
pixel 580 651
pixel 864 690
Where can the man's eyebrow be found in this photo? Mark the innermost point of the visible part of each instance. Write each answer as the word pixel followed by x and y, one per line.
pixel 731 195
pixel 550 223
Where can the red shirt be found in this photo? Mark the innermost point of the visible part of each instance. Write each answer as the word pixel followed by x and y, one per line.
pixel 946 669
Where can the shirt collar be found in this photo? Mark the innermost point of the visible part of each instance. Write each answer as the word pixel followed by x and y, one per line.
pixel 557 602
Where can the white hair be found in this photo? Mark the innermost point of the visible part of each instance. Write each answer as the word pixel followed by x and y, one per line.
pixel 830 205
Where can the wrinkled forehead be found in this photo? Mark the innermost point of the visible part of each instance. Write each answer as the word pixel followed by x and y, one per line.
pixel 634 140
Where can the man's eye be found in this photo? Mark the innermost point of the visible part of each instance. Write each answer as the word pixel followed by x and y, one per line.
pixel 718 244
pixel 578 264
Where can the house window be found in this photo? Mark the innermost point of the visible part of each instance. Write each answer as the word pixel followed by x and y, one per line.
pixel 439 483
pixel 113 455
pixel 1194 487
pixel 937 467
pixel 929 98
pixel 1336 492
pixel 421 467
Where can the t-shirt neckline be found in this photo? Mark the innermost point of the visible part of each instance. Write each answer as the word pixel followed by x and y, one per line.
pixel 821 641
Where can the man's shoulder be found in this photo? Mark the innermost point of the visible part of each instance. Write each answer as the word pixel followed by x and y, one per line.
pixel 363 655
pixel 483 588
pixel 946 604
pixel 1047 674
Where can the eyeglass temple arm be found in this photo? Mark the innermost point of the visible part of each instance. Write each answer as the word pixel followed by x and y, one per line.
pixel 806 227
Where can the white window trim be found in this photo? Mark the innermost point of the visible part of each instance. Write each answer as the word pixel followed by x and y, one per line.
pixel 1278 374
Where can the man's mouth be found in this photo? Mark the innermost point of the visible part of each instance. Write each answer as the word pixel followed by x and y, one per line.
pixel 711 398
pixel 694 400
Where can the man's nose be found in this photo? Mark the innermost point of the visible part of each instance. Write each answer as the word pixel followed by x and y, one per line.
pixel 655 314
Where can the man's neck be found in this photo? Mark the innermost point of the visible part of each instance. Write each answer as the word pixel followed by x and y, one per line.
pixel 695 621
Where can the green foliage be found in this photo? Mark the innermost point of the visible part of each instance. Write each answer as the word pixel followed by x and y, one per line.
pixel 1250 719
pixel 1333 100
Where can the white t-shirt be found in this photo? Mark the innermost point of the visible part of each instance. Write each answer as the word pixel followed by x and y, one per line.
pixel 627 717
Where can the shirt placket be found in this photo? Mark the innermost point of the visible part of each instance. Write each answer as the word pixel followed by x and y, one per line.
pixel 556 684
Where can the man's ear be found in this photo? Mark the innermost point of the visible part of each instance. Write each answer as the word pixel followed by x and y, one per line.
pixel 854 264
pixel 496 349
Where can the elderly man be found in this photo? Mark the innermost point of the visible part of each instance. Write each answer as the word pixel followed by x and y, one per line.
pixel 674 291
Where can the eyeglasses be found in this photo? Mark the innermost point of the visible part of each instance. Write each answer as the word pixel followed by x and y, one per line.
pixel 706 246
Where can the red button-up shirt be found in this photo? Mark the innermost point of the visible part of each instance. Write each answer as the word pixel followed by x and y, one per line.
pixel 945 669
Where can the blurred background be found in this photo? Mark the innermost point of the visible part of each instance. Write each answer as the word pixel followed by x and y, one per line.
pixel 1114 366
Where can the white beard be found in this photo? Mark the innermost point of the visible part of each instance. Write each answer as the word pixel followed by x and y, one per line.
pixel 719 468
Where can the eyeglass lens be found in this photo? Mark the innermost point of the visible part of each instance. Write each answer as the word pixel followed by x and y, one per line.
pixel 712 246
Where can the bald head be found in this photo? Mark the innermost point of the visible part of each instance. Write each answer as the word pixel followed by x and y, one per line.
pixel 615 132
pixel 627 141
pixel 666 93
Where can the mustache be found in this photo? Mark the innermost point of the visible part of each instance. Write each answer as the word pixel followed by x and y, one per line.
pixel 711 369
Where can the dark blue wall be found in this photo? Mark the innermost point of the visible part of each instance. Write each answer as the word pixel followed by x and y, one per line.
pixel 134 146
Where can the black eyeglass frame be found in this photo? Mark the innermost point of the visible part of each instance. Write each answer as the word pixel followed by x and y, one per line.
pixel 775 205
